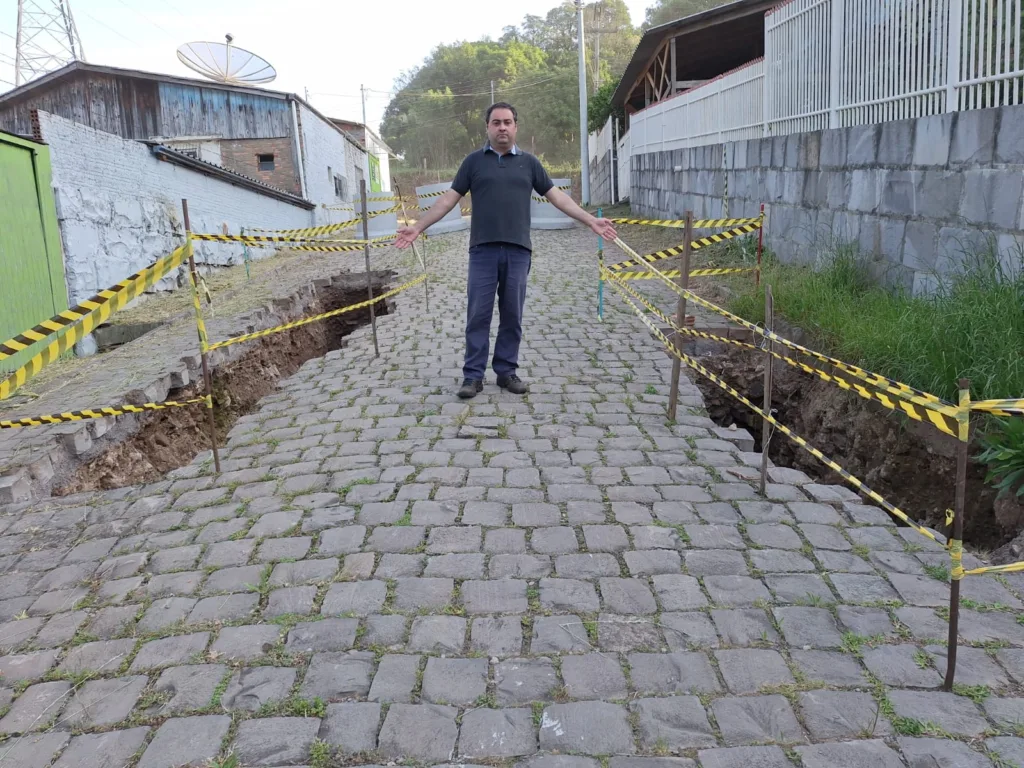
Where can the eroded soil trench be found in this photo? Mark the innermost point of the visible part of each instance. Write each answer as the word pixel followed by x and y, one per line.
pixel 911 465
pixel 173 438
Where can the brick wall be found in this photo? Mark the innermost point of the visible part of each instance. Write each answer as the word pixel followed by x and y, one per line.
pixel 119 207
pixel 914 195
pixel 241 156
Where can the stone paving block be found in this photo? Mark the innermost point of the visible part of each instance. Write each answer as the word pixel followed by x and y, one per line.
pixel 605 538
pixel 747 670
pixel 100 750
pixel 36 708
pixel 496 596
pixel 674 723
pixel 849 754
pixel 593 676
pixel 714 537
pixel 716 562
pixel 290 601
pixel 243 579
pixel 808 627
pixel 556 540
pixel 228 553
pixel 529 515
pixel 167 651
pixel 454 681
pixel 104 656
pixel 652 562
pixel 519 681
pixel 60 629
pixel 1008 748
pixel 627 596
pixel 455 566
pixel 275 741
pixel 186 740
pixel 434 513
pixel 187 688
pixel 395 539
pixel 437 634
pixel 291 548
pixel 519 566
pixel 245 643
pixel 559 634
pixel 974 666
pixel 489 733
pixel 359 598
pixel 942 753
pixel 423 732
pixel 744 757
pixel 800 588
pixel 920 590
pixel 303 572
pixel 395 566
pixel 595 727
pixel 253 688
pixel 676 592
pixel 338 675
pixel 568 594
pixel 422 594
pixel 655 537
pixel 954 714
pixel 901 665
pixel 672 673
pixel 621 634
pixel 989 626
pixel 586 566
pixel 351 727
pixel 325 635
pixel 774 536
pixel 829 667
pixel 863 621
pixel 857 588
pixel 103 702
pixel 735 590
pixel 756 720
pixel 35 750
pixel 831 715
pixel 395 679
pixel 744 627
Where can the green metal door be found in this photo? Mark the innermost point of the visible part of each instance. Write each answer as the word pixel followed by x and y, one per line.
pixel 31 263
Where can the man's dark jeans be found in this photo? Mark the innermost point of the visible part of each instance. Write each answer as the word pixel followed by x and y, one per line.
pixel 502 269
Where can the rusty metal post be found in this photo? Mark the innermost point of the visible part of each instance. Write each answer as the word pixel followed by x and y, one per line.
pixel 201 328
pixel 769 324
pixel 760 249
pixel 956 542
pixel 415 248
pixel 684 283
pixel 369 277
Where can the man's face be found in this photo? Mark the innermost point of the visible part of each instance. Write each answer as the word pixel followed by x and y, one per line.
pixel 501 130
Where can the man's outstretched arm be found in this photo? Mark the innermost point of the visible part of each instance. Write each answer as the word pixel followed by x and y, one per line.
pixel 440 209
pixel 567 205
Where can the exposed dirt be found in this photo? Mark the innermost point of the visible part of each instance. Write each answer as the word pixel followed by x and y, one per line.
pixel 172 438
pixel 911 465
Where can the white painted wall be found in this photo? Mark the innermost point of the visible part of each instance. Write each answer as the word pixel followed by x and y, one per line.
pixel 323 147
pixel 119 207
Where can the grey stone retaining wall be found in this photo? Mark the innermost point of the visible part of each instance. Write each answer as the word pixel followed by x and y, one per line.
pixel 601 171
pixel 914 195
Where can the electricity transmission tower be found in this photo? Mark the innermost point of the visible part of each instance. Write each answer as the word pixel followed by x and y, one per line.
pixel 47 39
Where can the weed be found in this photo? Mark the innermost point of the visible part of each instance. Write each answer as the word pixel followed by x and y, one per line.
pixel 650 390
pixel 976 693
pixel 938 572
pixel 319 754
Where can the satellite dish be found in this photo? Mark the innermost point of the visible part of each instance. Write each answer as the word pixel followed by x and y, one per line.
pixel 225 63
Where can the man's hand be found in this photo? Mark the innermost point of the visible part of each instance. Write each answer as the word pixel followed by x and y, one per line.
pixel 604 228
pixel 406 236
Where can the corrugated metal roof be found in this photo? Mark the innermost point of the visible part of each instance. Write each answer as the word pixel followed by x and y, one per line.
pixel 717 40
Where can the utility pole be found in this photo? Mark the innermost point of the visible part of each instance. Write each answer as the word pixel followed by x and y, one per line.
pixel 584 136
pixel 492 91
pixel 362 93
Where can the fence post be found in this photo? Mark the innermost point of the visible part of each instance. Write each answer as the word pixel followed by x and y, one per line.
pixel 369 277
pixel 955 543
pixel 684 283
pixel 415 248
pixel 769 324
pixel 760 250
pixel 201 328
pixel 600 272
pixel 954 47
pixel 837 23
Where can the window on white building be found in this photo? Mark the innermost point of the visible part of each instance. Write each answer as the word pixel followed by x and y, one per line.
pixel 266 162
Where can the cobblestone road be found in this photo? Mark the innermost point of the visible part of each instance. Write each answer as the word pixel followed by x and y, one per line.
pixel 385 574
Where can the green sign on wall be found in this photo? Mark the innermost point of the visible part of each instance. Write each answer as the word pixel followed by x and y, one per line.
pixel 374 173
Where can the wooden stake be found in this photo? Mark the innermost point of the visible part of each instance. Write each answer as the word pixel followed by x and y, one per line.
pixel 600 274
pixel 958 532
pixel 200 327
pixel 415 248
pixel 369 277
pixel 760 249
pixel 769 324
pixel 684 282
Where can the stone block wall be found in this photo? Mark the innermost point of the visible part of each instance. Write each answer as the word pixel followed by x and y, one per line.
pixel 914 195
pixel 601 171
pixel 119 207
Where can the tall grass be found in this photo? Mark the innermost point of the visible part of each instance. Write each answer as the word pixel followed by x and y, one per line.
pixel 972 325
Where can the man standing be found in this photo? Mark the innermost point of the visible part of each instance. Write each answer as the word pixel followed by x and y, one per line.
pixel 501 177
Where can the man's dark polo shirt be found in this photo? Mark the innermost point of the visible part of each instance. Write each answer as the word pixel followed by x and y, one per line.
pixel 501 187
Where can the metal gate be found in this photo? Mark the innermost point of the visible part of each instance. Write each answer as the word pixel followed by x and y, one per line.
pixel 32 285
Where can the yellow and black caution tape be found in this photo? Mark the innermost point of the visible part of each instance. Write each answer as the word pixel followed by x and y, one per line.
pixel 630 275
pixel 438 194
pixel 1012 407
pixel 326 229
pixel 204 340
pixel 81 320
pixel 698 224
pixel 691 363
pixel 677 250
pixel 935 408
pixel 340 207
pixel 98 413
pixel 316 318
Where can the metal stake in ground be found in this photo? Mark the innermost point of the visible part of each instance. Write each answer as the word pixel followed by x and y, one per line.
pixel 769 324
pixel 684 282
pixel 415 248
pixel 369 277
pixel 600 272
pixel 956 545
pixel 760 248
pixel 201 328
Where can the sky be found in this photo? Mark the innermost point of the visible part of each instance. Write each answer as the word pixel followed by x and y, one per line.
pixel 329 48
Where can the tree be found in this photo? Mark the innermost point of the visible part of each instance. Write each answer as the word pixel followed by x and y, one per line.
pixel 664 11
pixel 599 106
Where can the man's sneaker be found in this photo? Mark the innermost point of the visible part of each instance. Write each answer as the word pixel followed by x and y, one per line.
pixel 470 388
pixel 513 384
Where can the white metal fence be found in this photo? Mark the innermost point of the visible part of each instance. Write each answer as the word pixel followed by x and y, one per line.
pixel 601 142
pixel 836 63
pixel 622 160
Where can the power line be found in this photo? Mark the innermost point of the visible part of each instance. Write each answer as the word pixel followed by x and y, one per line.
pixel 145 17
pixel 107 26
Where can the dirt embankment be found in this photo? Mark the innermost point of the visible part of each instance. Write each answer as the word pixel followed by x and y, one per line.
pixel 910 464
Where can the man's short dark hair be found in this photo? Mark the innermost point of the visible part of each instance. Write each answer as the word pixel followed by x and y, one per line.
pixel 502 105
